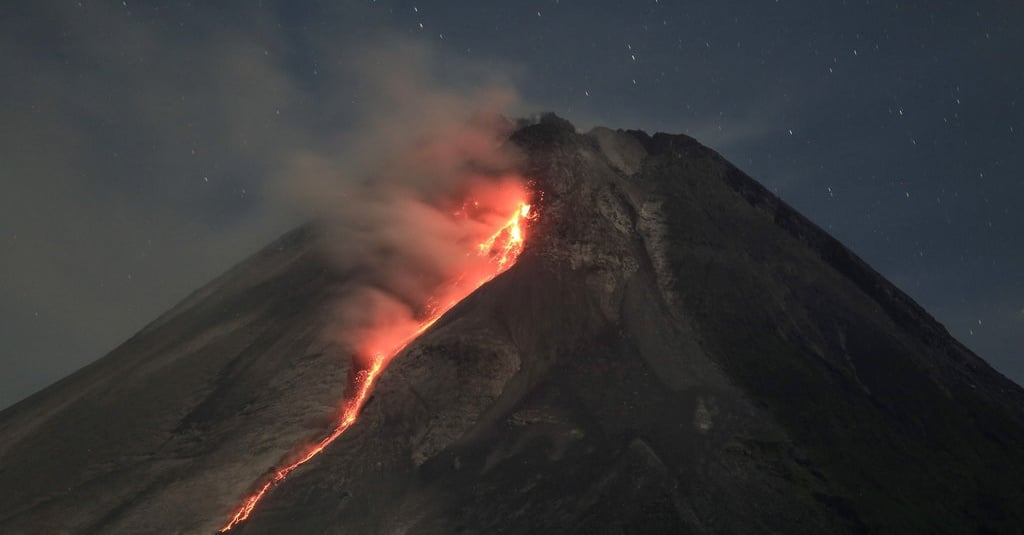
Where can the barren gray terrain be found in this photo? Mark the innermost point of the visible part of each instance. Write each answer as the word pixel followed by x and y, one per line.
pixel 676 351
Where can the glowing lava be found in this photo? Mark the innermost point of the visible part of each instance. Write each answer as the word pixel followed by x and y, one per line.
pixel 509 239
pixel 500 251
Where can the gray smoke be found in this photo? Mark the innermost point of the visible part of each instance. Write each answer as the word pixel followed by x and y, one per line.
pixel 392 192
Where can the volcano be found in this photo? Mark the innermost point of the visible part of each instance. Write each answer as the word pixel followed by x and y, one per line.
pixel 676 350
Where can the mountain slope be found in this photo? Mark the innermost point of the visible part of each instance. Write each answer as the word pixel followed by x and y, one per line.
pixel 675 351
pixel 156 436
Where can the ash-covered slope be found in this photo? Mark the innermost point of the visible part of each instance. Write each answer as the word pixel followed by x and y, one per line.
pixel 157 436
pixel 675 351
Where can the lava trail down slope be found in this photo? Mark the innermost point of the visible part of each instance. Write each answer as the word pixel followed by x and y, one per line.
pixel 501 248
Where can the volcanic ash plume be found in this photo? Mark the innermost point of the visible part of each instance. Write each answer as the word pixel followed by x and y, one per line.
pixel 411 191
pixel 410 236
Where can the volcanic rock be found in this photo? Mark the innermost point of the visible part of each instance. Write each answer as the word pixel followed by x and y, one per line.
pixel 676 351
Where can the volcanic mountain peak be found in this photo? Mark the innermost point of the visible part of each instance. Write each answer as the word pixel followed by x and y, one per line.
pixel 676 350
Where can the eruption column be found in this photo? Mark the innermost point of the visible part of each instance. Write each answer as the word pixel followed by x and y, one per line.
pixel 501 248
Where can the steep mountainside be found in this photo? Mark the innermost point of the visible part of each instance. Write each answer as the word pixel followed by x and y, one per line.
pixel 675 351
pixel 158 435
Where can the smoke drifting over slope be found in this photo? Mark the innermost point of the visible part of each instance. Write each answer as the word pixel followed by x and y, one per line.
pixel 406 201
pixel 181 145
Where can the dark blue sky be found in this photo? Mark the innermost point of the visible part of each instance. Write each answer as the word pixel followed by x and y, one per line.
pixel 140 141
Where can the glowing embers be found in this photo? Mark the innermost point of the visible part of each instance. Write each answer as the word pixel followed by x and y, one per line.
pixel 496 253
pixel 507 242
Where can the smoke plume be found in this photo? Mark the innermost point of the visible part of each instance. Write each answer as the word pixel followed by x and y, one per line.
pixel 409 193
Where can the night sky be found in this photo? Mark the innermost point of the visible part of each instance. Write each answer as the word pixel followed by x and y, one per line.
pixel 141 143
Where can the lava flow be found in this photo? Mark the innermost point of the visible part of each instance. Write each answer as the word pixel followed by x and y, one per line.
pixel 500 251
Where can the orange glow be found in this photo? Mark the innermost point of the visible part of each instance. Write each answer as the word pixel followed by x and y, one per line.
pixel 507 242
pixel 495 254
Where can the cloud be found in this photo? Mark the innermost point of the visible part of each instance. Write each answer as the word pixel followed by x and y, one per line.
pixel 126 147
